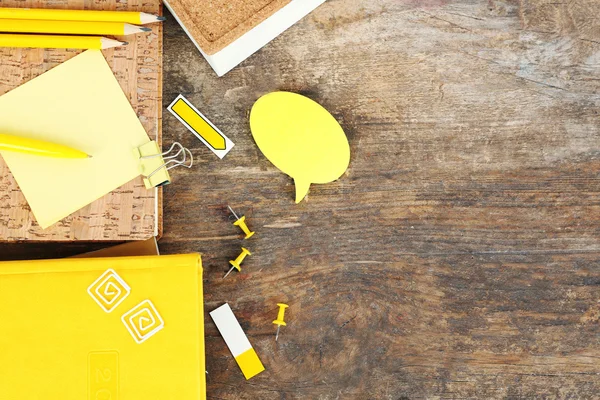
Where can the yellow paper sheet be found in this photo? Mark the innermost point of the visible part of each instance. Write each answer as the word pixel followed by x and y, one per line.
pixel 59 343
pixel 79 104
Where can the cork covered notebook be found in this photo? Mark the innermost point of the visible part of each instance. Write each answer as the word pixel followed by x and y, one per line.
pixel 130 212
pixel 214 24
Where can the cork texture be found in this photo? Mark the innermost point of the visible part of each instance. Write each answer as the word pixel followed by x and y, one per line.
pixel 129 212
pixel 214 24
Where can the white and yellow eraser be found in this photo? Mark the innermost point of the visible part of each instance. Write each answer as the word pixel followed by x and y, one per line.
pixel 237 341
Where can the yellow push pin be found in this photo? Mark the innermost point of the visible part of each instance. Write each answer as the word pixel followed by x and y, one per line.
pixel 279 321
pixel 241 222
pixel 236 263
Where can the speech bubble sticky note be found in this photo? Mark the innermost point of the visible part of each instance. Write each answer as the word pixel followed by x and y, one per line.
pixel 301 138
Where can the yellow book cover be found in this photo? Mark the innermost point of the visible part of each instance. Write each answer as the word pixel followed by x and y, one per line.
pixel 122 328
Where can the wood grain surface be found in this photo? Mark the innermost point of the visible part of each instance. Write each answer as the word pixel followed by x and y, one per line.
pixel 459 256
pixel 129 212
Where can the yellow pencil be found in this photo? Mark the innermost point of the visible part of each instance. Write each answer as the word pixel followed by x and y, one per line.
pixel 130 17
pixel 61 42
pixel 39 147
pixel 70 27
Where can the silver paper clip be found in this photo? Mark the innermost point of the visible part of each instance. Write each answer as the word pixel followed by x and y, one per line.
pixel 172 161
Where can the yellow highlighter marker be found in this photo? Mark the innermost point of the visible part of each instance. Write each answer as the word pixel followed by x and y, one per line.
pixel 131 17
pixel 38 147
pixel 70 27
pixel 58 42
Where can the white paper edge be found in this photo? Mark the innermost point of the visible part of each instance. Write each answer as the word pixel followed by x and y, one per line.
pixel 156 216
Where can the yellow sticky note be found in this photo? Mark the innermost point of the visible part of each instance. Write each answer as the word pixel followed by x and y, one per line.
pixel 301 138
pixel 123 328
pixel 78 104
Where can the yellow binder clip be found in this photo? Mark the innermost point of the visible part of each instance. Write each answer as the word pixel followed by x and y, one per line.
pixel 155 165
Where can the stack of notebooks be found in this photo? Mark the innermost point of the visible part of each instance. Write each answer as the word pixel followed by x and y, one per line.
pixel 102 328
pixel 228 31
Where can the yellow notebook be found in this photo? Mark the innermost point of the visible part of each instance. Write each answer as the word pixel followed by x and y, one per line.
pixel 123 328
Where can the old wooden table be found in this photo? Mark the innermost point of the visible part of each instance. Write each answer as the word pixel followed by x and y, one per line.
pixel 459 257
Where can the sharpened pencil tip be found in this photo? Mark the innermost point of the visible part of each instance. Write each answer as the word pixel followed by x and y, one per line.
pixel 124 43
pixel 161 18
pixel 89 156
pixel 146 29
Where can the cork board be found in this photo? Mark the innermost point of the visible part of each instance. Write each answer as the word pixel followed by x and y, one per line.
pixel 131 212
pixel 216 23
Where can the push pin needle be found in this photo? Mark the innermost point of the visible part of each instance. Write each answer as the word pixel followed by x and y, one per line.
pixel 233 212
pixel 280 318
pixel 236 263
pixel 241 222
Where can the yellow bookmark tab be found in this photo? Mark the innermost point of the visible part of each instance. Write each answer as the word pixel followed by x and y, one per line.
pixel 237 341
pixel 200 126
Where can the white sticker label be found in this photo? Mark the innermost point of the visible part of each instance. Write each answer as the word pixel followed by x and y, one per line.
pixel 200 126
